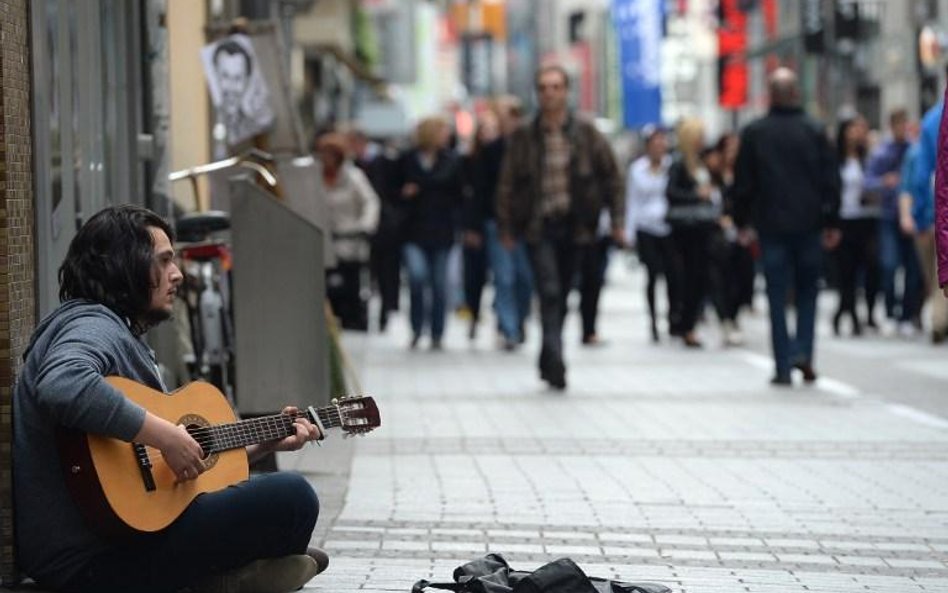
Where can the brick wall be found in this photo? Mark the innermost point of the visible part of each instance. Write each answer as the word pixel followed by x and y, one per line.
pixel 17 303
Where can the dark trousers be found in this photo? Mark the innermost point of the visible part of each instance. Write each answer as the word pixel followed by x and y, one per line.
pixel 475 277
pixel 344 285
pixel 727 259
pixel 692 262
pixel 268 516
pixel 554 263
pixel 592 276
pixel 657 253
pixel 792 260
pixel 858 257
pixel 386 265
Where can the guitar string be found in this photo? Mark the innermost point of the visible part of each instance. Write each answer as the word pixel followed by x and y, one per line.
pixel 249 425
pixel 274 426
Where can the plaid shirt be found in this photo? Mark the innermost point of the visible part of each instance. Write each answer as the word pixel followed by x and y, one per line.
pixel 555 185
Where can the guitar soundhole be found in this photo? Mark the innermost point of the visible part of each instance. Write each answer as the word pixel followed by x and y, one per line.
pixel 197 428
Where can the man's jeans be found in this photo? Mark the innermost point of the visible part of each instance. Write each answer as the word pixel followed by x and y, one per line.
pixel 513 282
pixel 554 263
pixel 427 273
pixel 792 260
pixel 267 516
pixel 897 250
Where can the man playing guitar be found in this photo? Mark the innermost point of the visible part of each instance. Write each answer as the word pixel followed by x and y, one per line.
pixel 118 280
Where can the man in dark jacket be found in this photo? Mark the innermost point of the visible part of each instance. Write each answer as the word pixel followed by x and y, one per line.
pixel 787 186
pixel 558 174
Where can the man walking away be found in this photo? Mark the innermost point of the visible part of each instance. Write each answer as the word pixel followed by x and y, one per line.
pixel 558 173
pixel 896 249
pixel 787 186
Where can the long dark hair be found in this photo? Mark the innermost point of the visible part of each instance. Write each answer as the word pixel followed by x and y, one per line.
pixel 110 260
pixel 841 147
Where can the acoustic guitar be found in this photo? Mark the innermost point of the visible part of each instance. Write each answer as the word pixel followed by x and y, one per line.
pixel 125 488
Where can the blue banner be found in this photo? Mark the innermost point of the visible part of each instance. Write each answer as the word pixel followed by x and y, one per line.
pixel 638 26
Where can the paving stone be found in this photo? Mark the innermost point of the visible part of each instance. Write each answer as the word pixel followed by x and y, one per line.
pixel 652 450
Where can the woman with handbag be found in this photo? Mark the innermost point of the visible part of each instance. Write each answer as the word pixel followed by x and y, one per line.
pixel 693 210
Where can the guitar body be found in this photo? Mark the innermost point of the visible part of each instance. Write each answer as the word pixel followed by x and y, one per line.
pixel 104 475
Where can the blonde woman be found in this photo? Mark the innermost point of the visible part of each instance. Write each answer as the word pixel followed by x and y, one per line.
pixel 693 210
pixel 431 192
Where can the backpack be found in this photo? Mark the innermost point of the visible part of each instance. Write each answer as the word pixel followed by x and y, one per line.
pixel 492 574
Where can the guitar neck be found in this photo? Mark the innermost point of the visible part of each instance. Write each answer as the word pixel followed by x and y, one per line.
pixel 223 437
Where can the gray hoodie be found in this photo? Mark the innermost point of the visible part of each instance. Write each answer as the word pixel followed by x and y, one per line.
pixel 62 384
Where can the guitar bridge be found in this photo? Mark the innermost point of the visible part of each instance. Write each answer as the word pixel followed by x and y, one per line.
pixel 144 466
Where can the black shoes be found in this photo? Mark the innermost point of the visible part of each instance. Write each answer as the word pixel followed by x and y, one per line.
pixel 809 375
pixel 691 341
pixel 781 381
pixel 592 340
pixel 554 373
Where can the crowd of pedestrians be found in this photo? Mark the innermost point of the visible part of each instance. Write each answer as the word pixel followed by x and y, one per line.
pixel 533 206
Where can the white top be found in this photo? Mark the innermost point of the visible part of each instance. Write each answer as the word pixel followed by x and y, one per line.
pixel 353 209
pixel 645 203
pixel 854 181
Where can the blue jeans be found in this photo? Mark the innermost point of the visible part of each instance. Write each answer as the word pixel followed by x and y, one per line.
pixel 427 275
pixel 897 250
pixel 513 282
pixel 267 516
pixel 792 259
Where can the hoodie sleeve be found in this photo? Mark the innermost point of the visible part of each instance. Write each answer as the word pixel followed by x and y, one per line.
pixel 70 382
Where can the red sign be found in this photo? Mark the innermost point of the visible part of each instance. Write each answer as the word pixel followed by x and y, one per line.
pixel 732 64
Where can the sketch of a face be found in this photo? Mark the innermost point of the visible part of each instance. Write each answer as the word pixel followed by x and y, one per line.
pixel 233 74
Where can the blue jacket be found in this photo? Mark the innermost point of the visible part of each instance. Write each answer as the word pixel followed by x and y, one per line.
pixel 923 212
pixel 921 179
pixel 887 158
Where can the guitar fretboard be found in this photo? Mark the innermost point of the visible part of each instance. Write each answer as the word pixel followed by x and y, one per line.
pixel 224 437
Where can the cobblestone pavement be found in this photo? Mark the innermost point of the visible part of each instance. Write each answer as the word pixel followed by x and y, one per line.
pixel 658 463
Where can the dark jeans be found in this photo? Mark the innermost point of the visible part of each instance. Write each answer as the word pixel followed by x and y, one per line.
pixel 658 255
pixel 427 278
pixel 792 260
pixel 897 250
pixel 268 516
pixel 513 282
pixel 554 263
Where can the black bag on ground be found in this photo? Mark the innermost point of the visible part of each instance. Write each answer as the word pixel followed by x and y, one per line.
pixel 492 574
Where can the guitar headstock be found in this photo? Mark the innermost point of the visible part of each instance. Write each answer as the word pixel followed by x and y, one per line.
pixel 357 414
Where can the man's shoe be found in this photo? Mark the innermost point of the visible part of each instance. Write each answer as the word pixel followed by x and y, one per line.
pixel 781 381
pixel 591 340
pixel 809 375
pixel 320 557
pixel 555 375
pixel 269 575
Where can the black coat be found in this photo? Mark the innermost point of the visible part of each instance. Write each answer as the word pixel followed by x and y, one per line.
pixel 786 179
pixel 482 174
pixel 431 215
